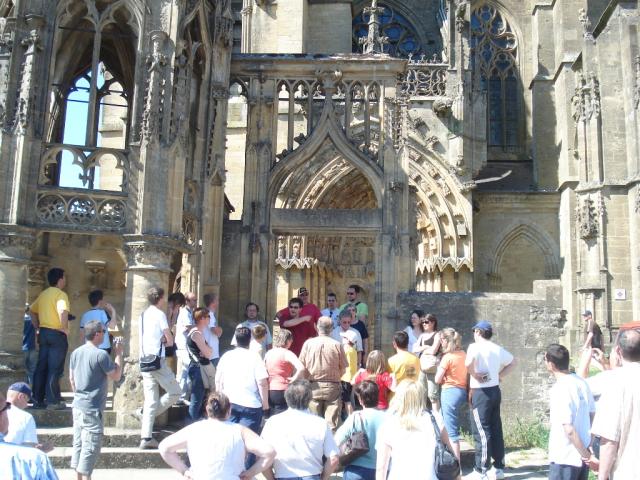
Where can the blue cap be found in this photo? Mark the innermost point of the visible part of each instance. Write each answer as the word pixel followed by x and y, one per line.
pixel 22 388
pixel 587 313
pixel 482 325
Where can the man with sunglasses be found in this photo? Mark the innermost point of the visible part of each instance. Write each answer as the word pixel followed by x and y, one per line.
pixel 18 461
pixel 300 318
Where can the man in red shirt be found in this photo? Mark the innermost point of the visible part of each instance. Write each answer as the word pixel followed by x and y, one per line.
pixel 300 318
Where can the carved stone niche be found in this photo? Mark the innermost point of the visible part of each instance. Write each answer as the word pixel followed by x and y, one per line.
pixel 97 274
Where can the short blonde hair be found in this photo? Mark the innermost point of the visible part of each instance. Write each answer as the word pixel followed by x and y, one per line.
pixel 259 332
pixel 453 340
pixel 376 362
pixel 282 338
pixel 408 403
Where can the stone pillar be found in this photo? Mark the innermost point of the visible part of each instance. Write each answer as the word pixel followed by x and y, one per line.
pixel 148 265
pixel 15 250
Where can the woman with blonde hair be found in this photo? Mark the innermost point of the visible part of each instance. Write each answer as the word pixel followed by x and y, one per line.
pixel 452 375
pixel 377 371
pixel 407 435
pixel 283 368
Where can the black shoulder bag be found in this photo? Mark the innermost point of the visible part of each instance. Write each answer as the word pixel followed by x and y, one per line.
pixel 446 464
pixel 148 363
pixel 356 445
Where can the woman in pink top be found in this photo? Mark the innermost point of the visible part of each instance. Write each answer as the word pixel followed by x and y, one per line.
pixel 283 368
pixel 377 371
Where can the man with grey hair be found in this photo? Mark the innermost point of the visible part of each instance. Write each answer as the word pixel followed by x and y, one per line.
pixel 154 335
pixel 325 361
pixel 300 438
pixel 345 333
pixel 89 368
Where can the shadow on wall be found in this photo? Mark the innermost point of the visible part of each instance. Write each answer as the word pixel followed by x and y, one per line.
pixel 525 324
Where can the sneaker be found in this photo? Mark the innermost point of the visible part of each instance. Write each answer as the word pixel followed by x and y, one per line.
pixel 57 406
pixel 498 473
pixel 475 475
pixel 150 444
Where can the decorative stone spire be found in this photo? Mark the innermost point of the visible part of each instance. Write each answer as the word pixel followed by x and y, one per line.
pixel 374 42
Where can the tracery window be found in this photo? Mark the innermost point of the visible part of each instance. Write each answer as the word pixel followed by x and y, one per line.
pixel 495 63
pixel 402 35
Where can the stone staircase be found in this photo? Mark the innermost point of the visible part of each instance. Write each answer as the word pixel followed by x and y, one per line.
pixel 119 447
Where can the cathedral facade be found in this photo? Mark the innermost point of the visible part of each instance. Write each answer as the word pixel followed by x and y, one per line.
pixel 251 148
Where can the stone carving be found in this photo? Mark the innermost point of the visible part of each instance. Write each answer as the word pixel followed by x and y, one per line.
pixel 588 214
pixel 156 63
pixel 442 106
pixel 223 24
pixel 282 248
pixel 97 270
pixel 461 13
pixel 585 103
pixel 181 93
pixel 424 79
pixel 6 37
pixel 584 20
pixel 374 42
pixel 150 255
pixel 26 92
pixel 94 211
pixel 636 90
pixel 189 229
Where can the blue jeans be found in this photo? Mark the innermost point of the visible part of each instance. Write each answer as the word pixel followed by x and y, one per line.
pixel 30 362
pixel 452 399
pixel 307 477
pixel 197 392
pixel 249 417
pixel 354 472
pixel 50 366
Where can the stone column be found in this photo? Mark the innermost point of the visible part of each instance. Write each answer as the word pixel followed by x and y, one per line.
pixel 15 250
pixel 148 265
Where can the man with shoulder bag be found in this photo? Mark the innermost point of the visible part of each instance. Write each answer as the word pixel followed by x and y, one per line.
pixel 154 336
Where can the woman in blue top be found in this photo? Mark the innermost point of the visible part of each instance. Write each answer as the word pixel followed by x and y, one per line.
pixel 364 467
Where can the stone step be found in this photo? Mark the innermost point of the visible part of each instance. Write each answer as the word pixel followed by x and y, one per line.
pixel 113 437
pixel 113 458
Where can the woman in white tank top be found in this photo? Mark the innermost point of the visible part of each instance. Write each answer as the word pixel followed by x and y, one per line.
pixel 216 448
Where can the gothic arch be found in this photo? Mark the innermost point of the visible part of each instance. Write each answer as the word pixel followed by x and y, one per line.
pixel 328 132
pixel 535 236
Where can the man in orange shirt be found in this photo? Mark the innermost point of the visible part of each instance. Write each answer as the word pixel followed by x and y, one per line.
pixel 50 317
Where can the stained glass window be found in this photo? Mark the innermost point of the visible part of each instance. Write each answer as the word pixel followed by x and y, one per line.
pixel 495 63
pixel 403 39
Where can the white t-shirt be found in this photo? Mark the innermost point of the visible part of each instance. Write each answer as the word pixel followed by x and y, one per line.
pixel 155 323
pixel 184 320
pixel 618 419
pixel 266 341
pixel 600 383
pixel 333 315
pixel 351 335
pixel 490 358
pixel 22 427
pixel 412 339
pixel 215 449
pixel 408 446
pixel 300 439
pixel 238 374
pixel 570 403
pixel 212 340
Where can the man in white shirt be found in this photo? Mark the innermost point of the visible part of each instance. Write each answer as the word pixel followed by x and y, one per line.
pixel 22 426
pixel 571 408
pixel 154 335
pixel 251 311
pixel 300 438
pixel 242 376
pixel 214 332
pixel 617 420
pixel 345 331
pixel 184 322
pixel 487 363
pixel 332 311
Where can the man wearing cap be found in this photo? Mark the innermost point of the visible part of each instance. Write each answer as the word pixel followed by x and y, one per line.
pixel 18 461
pixel 303 326
pixel 487 363
pixel 50 317
pixel 22 426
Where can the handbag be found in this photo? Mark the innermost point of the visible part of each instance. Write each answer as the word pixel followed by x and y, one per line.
pixel 148 363
pixel 446 464
pixel 355 446
pixel 429 363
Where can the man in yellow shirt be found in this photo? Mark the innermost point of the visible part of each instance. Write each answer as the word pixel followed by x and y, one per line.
pixel 50 317
pixel 403 365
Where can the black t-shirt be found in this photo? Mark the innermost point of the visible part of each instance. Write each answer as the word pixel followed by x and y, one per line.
pixel 361 328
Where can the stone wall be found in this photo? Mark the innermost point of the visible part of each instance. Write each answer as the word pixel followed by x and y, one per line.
pixel 525 324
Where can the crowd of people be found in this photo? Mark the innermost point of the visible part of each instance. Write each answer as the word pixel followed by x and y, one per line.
pixel 285 405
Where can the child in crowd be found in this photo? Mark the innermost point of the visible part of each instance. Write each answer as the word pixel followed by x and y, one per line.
pixel 258 334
